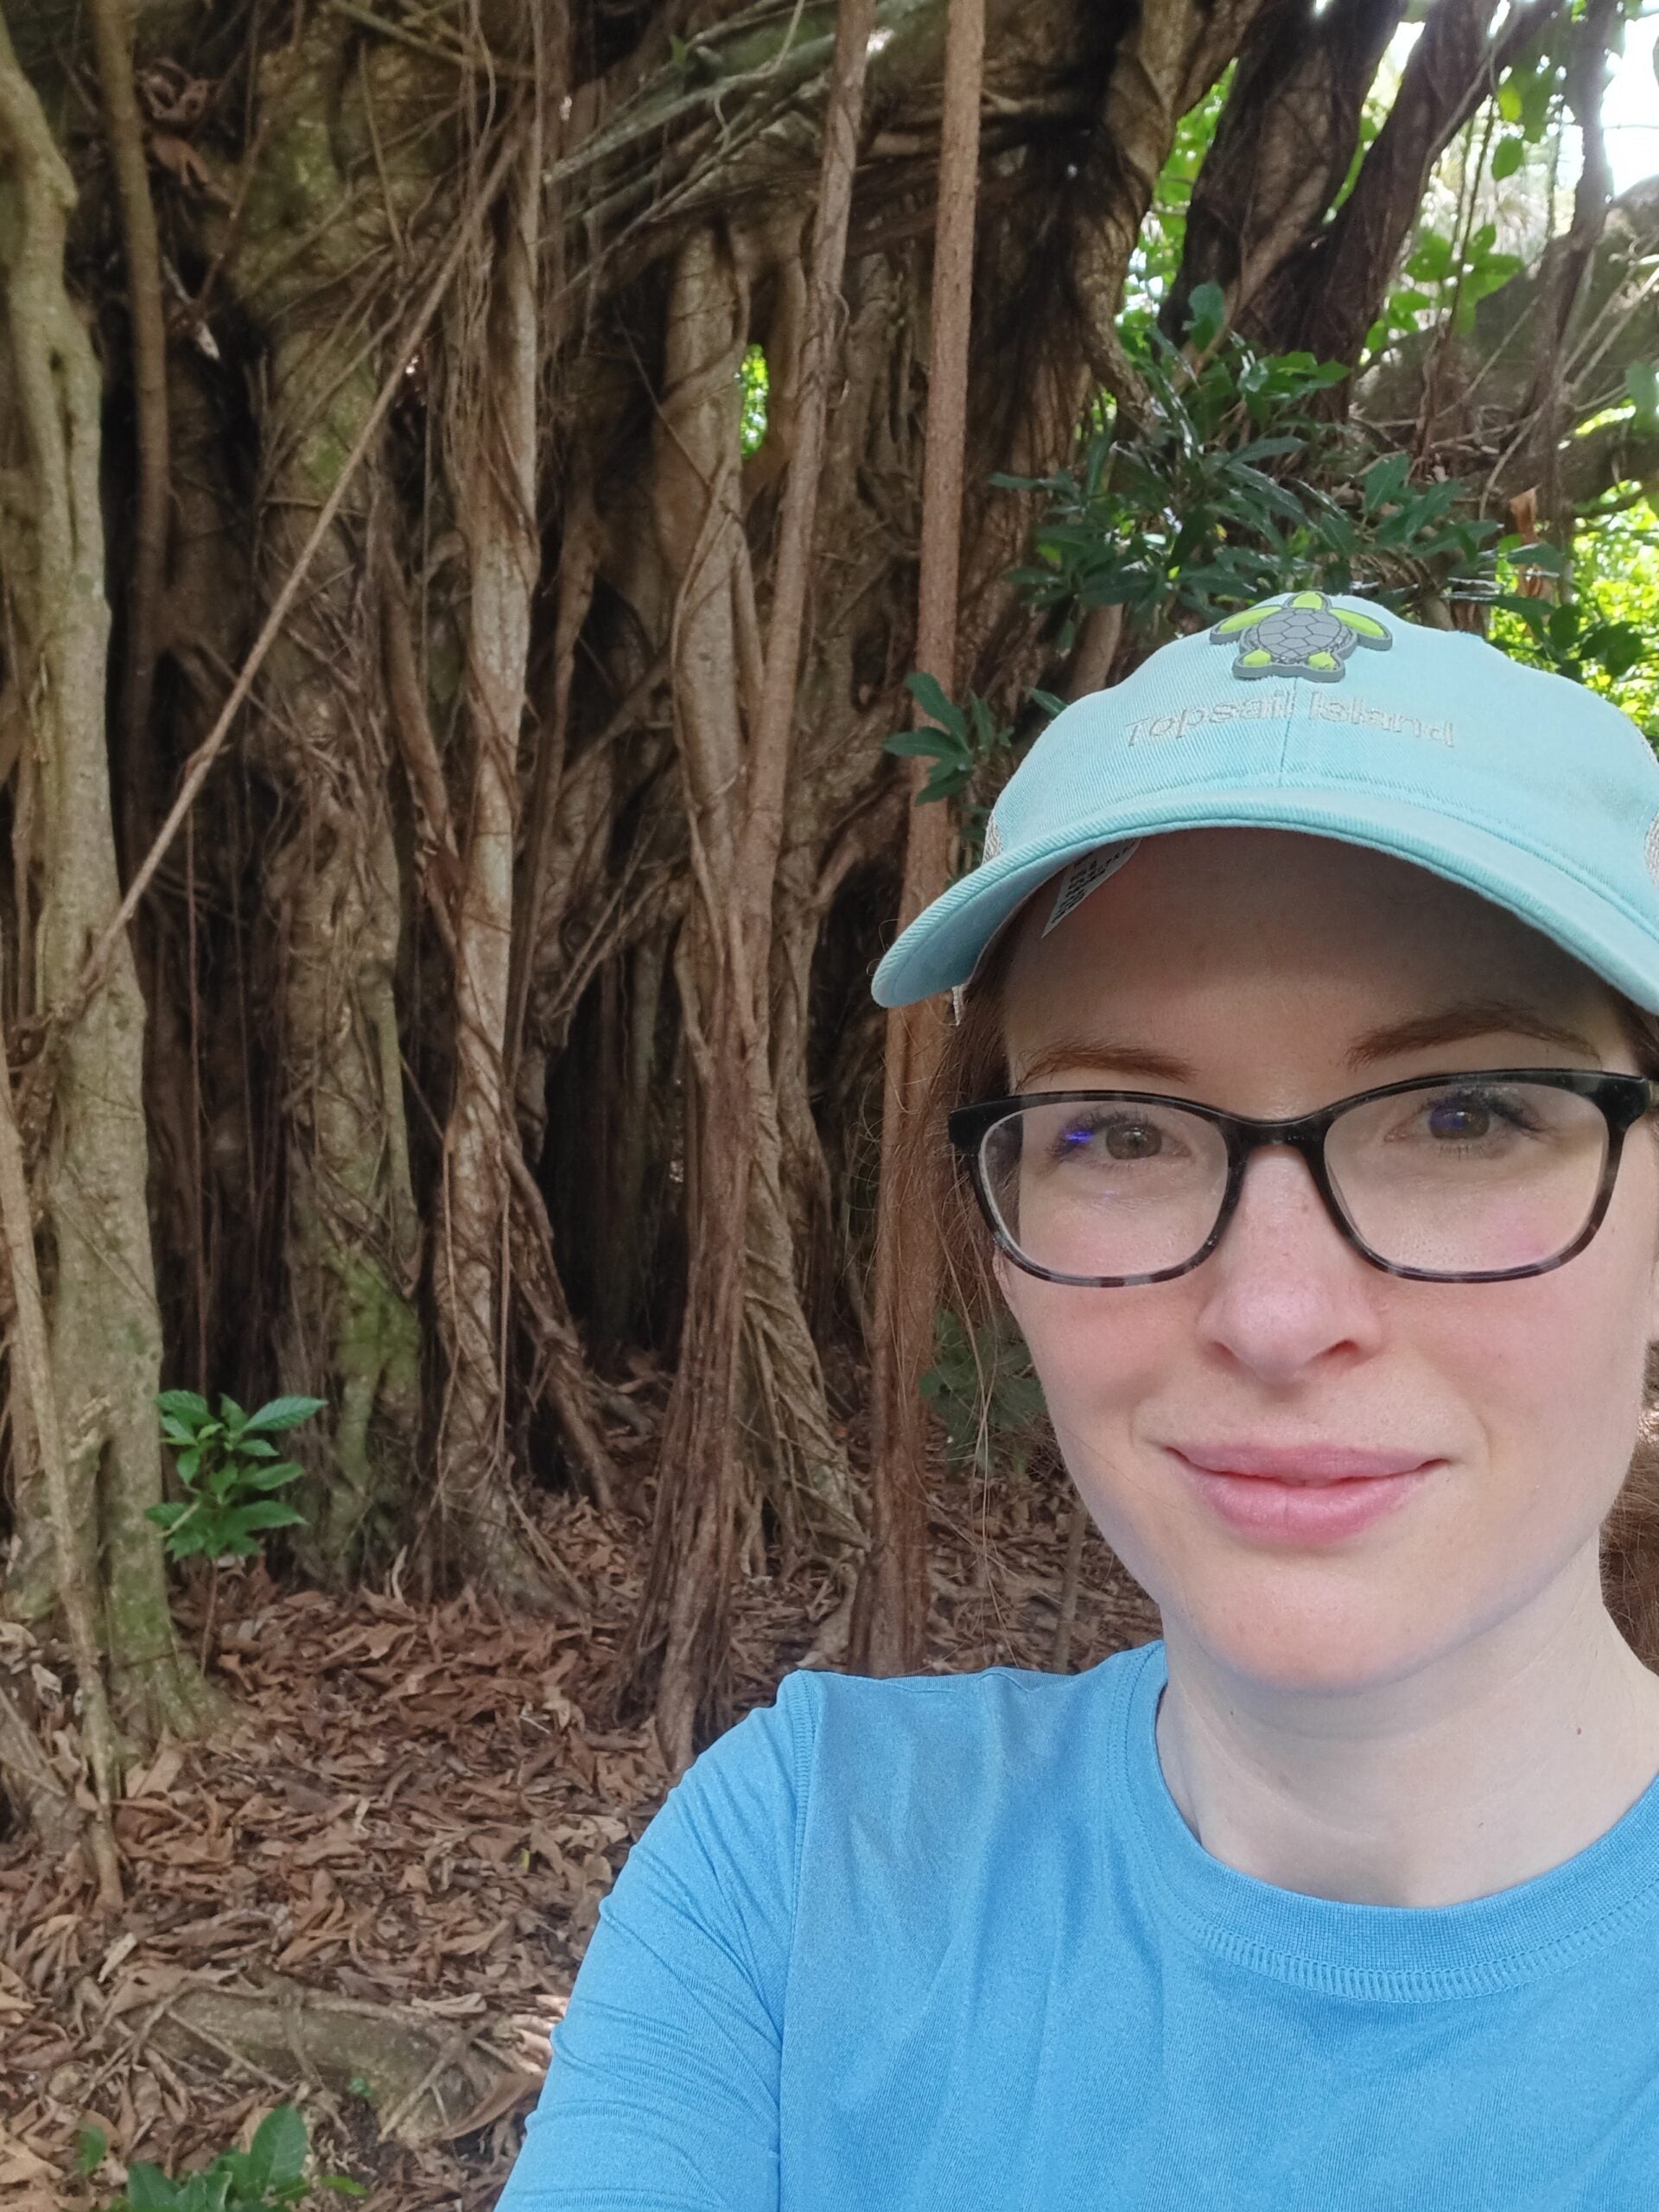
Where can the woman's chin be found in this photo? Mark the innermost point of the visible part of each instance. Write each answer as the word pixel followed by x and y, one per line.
pixel 1333 1643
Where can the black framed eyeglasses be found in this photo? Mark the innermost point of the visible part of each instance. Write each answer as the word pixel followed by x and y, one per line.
pixel 1477 1176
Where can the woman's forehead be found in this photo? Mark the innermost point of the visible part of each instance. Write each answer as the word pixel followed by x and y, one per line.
pixel 1202 921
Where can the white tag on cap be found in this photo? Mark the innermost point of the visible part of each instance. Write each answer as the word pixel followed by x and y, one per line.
pixel 1085 875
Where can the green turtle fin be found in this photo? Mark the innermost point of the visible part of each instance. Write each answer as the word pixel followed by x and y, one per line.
pixel 1322 660
pixel 1230 625
pixel 1314 599
pixel 1363 626
pixel 1259 659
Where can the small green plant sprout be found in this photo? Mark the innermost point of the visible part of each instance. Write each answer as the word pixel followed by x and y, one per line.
pixel 229 1466
pixel 267 2176
pixel 230 1470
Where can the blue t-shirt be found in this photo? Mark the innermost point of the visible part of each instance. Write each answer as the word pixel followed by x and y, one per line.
pixel 939 1942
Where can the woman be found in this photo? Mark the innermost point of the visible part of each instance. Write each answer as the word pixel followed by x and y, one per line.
pixel 1303 1072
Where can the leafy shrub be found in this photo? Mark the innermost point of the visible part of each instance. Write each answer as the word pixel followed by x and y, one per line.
pixel 1606 634
pixel 1234 489
pixel 229 1468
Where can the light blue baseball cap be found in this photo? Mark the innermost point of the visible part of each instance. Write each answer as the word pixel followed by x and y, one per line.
pixel 1332 716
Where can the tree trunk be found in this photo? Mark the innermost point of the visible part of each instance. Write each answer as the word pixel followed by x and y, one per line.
pixel 735 847
pixel 348 1330
pixel 890 1609
pixel 493 483
pixel 104 1329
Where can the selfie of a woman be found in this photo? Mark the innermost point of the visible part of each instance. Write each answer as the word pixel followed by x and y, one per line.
pixel 1303 1099
pixel 829 1105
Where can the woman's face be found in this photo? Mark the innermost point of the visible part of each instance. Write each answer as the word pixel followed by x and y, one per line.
pixel 1253 970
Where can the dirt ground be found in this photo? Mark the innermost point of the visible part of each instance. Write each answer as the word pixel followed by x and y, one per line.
pixel 369 1894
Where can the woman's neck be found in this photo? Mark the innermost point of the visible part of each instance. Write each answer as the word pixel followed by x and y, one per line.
pixel 1483 1769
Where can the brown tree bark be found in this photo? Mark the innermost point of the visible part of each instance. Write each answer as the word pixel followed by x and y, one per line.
pixel 350 1236
pixel 890 1609
pixel 493 483
pixel 688 1597
pixel 1282 147
pixel 1327 291
pixel 105 1350
pixel 112 37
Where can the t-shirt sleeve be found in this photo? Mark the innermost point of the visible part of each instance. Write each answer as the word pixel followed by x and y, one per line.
pixel 662 2094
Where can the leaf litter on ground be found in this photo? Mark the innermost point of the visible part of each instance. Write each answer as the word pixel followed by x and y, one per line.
pixel 414 1814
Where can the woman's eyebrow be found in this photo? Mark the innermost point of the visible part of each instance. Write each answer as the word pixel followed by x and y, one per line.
pixel 1124 1059
pixel 1455 1023
pixel 1447 1024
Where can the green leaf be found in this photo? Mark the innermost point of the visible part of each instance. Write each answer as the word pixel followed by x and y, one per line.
pixel 1047 702
pixel 929 696
pixel 1272 495
pixel 1619 646
pixel 1509 156
pixel 189 1463
pixel 1532 554
pixel 279 2142
pixel 270 1478
pixel 282 1412
pixel 1384 480
pixel 1270 448
pixel 90 2143
pixel 1432 262
pixel 244 2176
pixel 183 1405
pixel 1537 88
pixel 1641 383
pixel 266 1513
pixel 1206 314
pixel 149 2189
pixel 929 744
pixel 167 1516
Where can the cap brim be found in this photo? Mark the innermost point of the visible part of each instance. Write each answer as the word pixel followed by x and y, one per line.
pixel 942 945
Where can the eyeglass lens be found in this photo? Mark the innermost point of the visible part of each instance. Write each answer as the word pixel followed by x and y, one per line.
pixel 1458 1179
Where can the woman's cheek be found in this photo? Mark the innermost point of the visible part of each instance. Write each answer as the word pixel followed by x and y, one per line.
pixel 1086 1352
pixel 1100 1369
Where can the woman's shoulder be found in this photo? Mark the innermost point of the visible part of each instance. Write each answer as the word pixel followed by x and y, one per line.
pixel 890 1738
pixel 967 1699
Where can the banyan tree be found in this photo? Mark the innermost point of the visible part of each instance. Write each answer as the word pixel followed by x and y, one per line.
pixel 461 517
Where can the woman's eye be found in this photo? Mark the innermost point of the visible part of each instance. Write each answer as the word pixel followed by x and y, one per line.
pixel 1122 1139
pixel 1469 1119
pixel 1474 1117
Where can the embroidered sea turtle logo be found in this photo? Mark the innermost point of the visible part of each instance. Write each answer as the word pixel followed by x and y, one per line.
pixel 1301 635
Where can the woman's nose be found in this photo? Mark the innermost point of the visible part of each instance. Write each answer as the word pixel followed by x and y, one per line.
pixel 1285 1287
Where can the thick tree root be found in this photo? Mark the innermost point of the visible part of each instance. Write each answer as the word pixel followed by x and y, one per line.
pixel 428 2080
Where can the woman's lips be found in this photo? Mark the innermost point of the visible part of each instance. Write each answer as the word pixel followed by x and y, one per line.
pixel 1302 1494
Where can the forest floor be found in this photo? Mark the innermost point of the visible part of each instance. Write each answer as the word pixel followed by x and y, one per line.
pixel 382 1872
